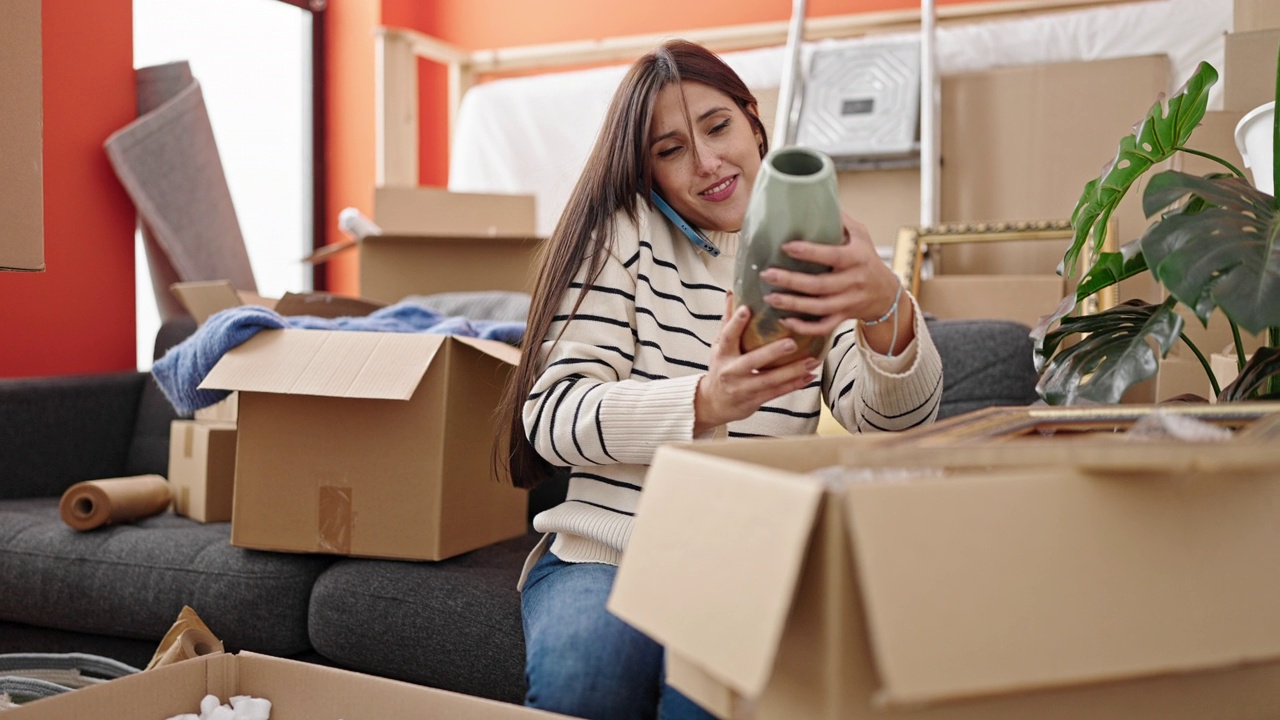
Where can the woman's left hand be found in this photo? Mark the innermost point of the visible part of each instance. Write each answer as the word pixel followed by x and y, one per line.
pixel 859 286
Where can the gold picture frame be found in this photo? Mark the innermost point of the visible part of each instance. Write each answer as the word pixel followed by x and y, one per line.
pixel 913 244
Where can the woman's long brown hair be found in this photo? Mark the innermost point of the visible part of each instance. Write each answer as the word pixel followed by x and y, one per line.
pixel 617 174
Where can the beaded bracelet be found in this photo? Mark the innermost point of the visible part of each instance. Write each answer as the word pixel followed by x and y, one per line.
pixel 892 311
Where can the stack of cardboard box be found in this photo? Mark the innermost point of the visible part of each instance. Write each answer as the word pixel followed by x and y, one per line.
pixel 374 444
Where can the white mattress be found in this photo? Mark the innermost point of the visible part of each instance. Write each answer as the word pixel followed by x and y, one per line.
pixel 531 135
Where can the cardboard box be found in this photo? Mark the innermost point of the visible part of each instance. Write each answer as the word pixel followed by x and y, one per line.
pixel 1012 579
pixel 1182 376
pixel 22 142
pixel 203 298
pixel 369 444
pixel 202 469
pixel 1021 298
pixel 223 411
pixel 1249 70
pixel 436 241
pixel 1256 15
pixel 1020 143
pixel 297 691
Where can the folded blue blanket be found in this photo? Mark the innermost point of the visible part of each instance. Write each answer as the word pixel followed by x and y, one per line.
pixel 182 369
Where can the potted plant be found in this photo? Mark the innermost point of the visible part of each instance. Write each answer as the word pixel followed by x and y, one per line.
pixel 1214 243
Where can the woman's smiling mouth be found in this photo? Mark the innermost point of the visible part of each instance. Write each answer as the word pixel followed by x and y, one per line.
pixel 721 190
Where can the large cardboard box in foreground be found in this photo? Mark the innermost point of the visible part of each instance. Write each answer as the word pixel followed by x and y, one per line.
pixel 962 581
pixel 297 691
pixel 437 241
pixel 368 443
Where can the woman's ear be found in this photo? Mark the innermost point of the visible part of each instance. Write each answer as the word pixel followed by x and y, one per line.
pixel 757 127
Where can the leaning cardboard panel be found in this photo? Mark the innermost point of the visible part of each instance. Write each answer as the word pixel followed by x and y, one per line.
pixel 369 444
pixel 22 142
pixel 978 582
pixel 297 691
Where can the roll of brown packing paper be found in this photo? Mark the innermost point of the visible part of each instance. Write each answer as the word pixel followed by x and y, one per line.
pixel 93 503
pixel 190 643
pixel 187 638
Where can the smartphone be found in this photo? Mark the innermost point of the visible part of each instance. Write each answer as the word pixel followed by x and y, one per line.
pixel 695 235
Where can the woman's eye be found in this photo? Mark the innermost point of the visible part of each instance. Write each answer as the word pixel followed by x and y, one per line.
pixel 669 152
pixel 720 127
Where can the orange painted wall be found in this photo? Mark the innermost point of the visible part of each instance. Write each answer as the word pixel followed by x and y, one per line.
pixel 78 316
pixel 477 24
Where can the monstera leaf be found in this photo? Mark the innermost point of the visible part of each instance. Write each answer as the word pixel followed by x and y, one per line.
pixel 1253 382
pixel 1114 352
pixel 1218 251
pixel 1164 130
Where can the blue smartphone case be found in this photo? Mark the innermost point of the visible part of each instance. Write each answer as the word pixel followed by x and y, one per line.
pixel 695 235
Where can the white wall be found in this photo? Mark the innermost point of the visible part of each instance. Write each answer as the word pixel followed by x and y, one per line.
pixel 252 59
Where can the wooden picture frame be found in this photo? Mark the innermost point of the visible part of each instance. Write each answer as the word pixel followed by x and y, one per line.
pixel 913 244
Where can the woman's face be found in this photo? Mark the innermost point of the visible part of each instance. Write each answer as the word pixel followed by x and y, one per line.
pixel 707 178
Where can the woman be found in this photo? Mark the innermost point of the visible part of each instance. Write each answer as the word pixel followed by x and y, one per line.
pixel 641 348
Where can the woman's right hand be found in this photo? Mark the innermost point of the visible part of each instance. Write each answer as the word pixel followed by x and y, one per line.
pixel 735 386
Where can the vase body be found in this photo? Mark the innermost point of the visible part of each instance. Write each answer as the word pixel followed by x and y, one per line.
pixel 794 198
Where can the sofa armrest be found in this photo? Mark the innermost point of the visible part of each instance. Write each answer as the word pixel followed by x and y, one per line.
pixel 57 431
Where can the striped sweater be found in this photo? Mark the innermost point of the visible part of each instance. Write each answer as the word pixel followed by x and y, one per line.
pixel 621 380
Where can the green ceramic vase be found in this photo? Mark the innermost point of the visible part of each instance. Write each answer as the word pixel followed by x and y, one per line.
pixel 794 198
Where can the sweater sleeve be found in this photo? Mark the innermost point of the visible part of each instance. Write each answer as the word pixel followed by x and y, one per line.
pixel 870 393
pixel 589 406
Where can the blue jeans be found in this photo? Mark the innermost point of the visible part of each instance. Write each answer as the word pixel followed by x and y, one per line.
pixel 581 660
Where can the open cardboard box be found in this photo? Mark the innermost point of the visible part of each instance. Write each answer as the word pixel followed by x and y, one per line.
pixel 369 443
pixel 437 241
pixel 1047 578
pixel 297 691
pixel 203 298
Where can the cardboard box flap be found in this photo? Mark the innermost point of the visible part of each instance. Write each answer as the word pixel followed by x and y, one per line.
pixel 498 350
pixel 988 582
pixel 741 542
pixel 330 363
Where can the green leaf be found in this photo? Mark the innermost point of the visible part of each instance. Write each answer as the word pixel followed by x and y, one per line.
pixel 1111 268
pixel 1155 139
pixel 1252 382
pixel 1225 255
pixel 1114 353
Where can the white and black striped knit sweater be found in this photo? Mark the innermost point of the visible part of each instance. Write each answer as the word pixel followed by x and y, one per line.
pixel 621 380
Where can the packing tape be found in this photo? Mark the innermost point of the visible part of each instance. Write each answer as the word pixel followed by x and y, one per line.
pixel 335 518
pixel 94 503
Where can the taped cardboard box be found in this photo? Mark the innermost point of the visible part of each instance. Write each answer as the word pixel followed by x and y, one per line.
pixel 973 582
pixel 436 241
pixel 369 444
pixel 297 691
pixel 202 469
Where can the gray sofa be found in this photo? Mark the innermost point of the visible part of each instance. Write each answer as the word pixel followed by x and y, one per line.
pixel 116 590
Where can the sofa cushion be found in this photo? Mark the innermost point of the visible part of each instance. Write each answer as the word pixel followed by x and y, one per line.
pixel 985 363
pixel 131 580
pixel 453 624
pixel 57 431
